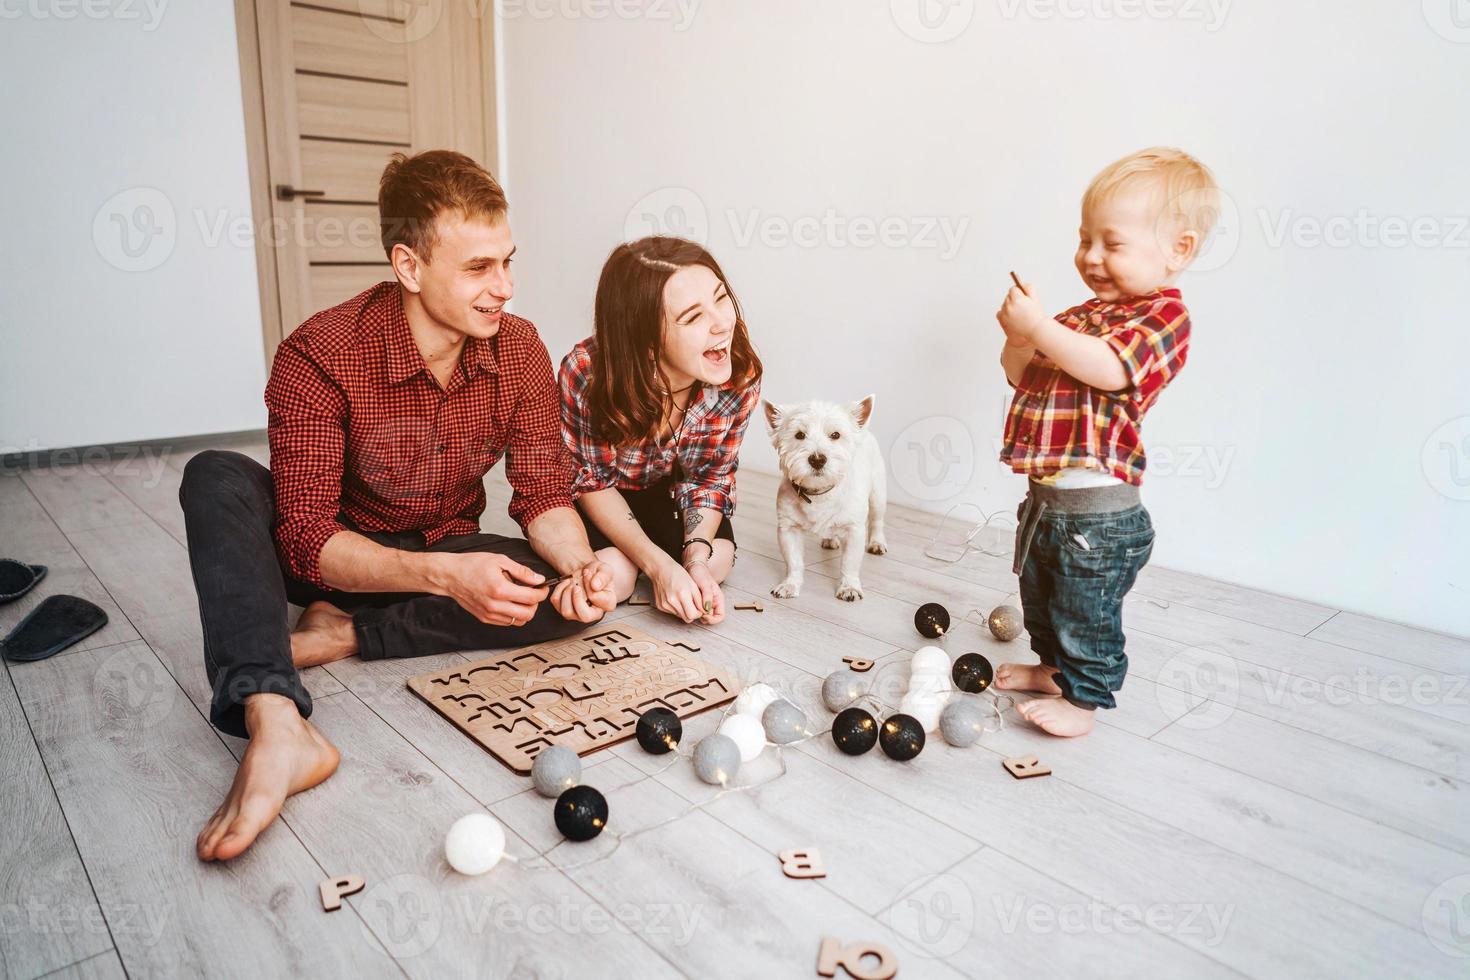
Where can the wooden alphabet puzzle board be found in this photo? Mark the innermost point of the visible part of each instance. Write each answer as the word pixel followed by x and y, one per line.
pixel 585 693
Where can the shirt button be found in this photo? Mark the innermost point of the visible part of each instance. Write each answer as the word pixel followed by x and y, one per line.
pixel 443 449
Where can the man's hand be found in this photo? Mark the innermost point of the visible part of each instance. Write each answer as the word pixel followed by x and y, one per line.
pixel 1020 316
pixel 586 594
pixel 711 596
pixel 495 589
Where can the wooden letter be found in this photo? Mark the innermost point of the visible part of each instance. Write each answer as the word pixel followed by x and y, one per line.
pixel 335 889
pixel 833 954
pixel 858 664
pixel 805 862
pixel 1026 768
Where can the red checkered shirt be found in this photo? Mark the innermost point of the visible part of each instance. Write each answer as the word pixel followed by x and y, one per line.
pixel 1056 421
pixel 359 429
pixel 706 449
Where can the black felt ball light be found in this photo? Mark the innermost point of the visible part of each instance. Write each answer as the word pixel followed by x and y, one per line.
pixel 932 620
pixel 659 731
pixel 972 673
pixel 901 737
pixel 855 731
pixel 581 813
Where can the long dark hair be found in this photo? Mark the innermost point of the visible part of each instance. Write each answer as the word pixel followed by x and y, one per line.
pixel 626 397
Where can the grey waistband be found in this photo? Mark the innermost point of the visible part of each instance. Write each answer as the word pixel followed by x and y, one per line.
pixel 1042 499
pixel 1086 500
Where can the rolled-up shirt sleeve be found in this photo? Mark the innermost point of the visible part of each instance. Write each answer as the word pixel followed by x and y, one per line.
pixel 306 419
pixel 1152 348
pixel 538 466
pixel 593 459
pixel 710 463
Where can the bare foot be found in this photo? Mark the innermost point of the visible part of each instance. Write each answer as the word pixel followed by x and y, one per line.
pixel 1021 677
pixel 322 635
pixel 286 755
pixel 1058 717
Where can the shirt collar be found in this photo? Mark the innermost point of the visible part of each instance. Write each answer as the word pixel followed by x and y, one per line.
pixel 1129 302
pixel 404 359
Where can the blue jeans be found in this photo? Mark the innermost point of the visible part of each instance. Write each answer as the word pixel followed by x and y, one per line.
pixel 1075 569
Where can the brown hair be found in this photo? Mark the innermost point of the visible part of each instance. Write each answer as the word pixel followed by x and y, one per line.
pixel 626 396
pixel 415 190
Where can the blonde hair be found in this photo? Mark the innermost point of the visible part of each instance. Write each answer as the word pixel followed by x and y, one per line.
pixel 1190 195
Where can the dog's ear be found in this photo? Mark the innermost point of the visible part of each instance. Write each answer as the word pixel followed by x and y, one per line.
pixel 862 411
pixel 773 414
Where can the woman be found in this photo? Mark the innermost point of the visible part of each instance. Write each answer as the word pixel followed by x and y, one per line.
pixel 654 407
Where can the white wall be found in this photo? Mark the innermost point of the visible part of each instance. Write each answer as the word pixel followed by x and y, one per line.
pixel 1327 383
pixel 132 112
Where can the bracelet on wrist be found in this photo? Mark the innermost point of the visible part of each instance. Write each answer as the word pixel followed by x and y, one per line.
pixel 703 541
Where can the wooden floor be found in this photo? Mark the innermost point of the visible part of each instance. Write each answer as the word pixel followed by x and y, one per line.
pixel 1284 790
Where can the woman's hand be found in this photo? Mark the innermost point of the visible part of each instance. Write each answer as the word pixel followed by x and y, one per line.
pixel 711 596
pixel 586 594
pixel 675 593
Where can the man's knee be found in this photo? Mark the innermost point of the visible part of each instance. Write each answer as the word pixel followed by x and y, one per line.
pixel 217 473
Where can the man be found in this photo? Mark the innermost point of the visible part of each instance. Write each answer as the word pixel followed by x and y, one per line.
pixel 385 413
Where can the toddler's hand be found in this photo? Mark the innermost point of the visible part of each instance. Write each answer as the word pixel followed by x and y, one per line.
pixel 1020 315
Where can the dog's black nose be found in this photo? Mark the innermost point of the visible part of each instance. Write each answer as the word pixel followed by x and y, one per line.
pixel 817 460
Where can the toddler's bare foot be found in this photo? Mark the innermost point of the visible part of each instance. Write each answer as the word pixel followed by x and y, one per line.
pixel 1020 677
pixel 322 635
pixel 1056 716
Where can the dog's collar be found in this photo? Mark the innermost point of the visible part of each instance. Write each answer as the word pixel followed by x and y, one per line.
pixel 806 494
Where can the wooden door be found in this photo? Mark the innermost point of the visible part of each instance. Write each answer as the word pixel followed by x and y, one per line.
pixel 332 89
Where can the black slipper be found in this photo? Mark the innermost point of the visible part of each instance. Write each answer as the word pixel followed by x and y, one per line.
pixel 17 578
pixel 57 623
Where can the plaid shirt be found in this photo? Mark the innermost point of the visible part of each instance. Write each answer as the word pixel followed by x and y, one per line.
pixel 361 431
pixel 705 450
pixel 1055 421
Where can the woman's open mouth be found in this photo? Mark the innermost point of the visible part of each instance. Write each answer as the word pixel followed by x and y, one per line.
pixel 718 355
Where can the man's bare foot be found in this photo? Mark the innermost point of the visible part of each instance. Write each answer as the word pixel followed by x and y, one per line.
pixel 1058 717
pixel 1021 677
pixel 286 755
pixel 322 635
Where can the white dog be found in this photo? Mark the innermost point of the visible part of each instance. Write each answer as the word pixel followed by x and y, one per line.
pixel 835 487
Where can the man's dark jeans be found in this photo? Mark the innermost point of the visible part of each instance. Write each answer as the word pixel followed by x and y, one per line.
pixel 229 512
pixel 1075 570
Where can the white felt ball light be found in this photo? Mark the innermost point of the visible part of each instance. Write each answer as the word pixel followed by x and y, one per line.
pixel 929 660
pixel 924 708
pixel 747 734
pixel 930 684
pixel 475 844
pixel 753 700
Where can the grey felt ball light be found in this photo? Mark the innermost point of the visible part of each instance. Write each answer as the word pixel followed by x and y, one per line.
pixel 1005 622
pixel 841 689
pixel 556 770
pixel 784 722
pixel 962 722
pixel 717 759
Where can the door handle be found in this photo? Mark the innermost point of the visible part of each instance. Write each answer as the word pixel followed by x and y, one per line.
pixel 285 192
